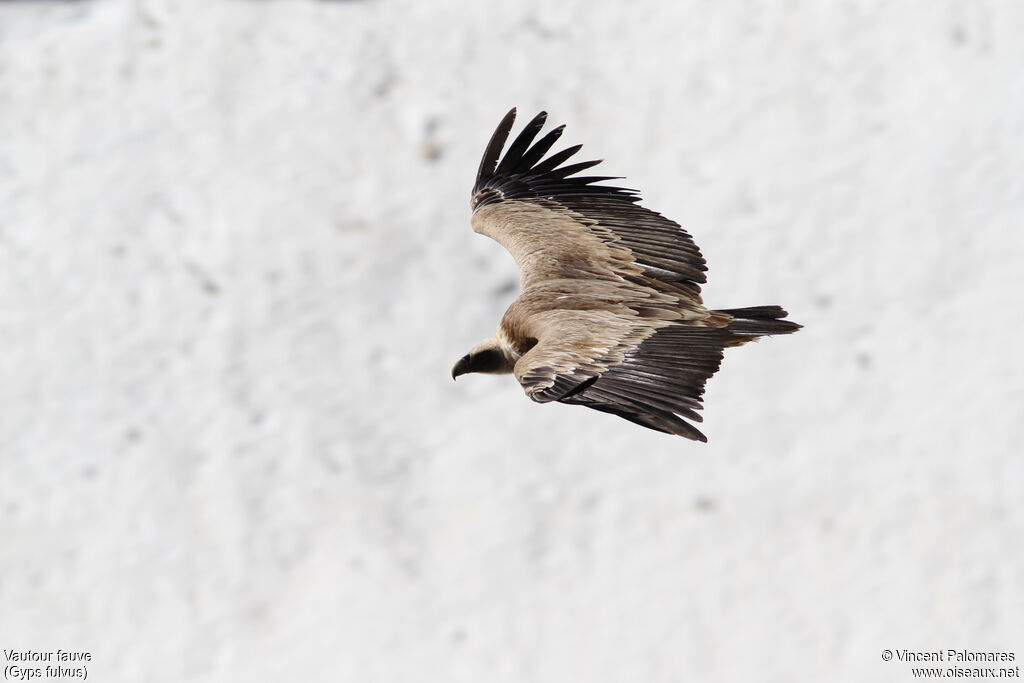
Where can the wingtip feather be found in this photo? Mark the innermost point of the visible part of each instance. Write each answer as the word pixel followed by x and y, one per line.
pixel 519 147
pixel 489 162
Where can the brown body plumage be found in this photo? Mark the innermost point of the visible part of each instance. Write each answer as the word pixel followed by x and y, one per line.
pixel 609 314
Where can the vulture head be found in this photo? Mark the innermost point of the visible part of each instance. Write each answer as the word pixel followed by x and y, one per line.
pixel 489 356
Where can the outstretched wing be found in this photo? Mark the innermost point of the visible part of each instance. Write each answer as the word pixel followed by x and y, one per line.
pixel 652 376
pixel 559 224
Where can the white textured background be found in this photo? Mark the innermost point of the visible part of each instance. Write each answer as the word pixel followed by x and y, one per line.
pixel 236 268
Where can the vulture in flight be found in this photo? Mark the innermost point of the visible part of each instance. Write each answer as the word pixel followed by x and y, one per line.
pixel 609 314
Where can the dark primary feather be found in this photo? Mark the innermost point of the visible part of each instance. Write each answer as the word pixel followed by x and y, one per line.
pixel 538 150
pixel 493 150
pixel 555 159
pixel 514 155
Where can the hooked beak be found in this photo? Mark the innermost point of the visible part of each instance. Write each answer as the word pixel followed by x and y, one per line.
pixel 462 367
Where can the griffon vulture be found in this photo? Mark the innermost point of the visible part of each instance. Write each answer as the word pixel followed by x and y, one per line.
pixel 609 315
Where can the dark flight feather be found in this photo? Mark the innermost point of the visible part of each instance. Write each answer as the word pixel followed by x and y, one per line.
pixel 490 159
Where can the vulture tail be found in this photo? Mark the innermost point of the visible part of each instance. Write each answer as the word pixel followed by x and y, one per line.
pixel 748 324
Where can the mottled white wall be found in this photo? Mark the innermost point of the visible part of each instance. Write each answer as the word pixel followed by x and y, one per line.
pixel 236 267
